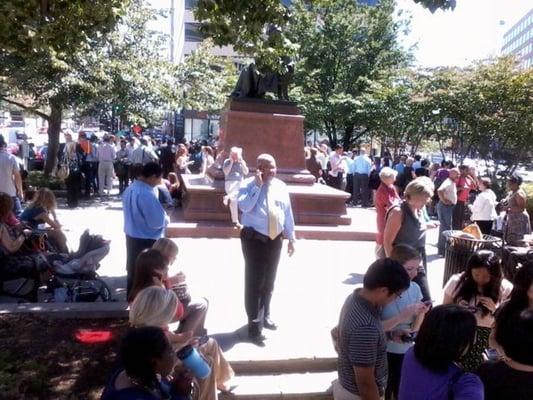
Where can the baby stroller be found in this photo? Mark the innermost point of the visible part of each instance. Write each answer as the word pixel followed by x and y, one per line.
pixel 74 277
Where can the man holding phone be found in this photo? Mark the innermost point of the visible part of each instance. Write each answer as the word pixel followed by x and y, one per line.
pixel 267 218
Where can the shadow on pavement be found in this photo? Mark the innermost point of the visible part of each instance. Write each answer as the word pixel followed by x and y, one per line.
pixel 354 279
pixel 227 340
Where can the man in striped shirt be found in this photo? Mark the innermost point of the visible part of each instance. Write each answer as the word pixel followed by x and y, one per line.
pixel 361 341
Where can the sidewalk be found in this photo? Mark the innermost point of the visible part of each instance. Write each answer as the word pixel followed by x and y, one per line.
pixel 310 287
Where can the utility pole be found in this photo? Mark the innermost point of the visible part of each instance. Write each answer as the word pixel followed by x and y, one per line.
pixel 172 29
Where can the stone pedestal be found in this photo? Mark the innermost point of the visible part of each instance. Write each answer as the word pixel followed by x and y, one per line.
pixel 274 127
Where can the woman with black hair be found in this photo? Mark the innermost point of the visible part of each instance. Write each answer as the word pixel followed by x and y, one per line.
pixel 480 289
pixel 511 377
pixel 148 360
pixel 521 299
pixel 431 369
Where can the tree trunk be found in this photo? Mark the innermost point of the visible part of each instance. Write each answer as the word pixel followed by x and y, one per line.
pixel 54 129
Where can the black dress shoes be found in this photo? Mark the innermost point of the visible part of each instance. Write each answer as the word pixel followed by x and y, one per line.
pixel 257 339
pixel 269 324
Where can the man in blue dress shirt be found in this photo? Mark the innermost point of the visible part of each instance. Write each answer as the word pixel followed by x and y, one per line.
pixel 266 219
pixel 145 219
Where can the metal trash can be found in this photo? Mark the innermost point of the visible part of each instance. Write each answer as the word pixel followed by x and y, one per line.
pixel 459 249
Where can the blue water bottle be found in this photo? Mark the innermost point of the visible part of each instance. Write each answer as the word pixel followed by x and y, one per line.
pixel 190 357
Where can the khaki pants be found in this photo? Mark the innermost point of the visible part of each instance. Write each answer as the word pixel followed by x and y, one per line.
pixel 339 393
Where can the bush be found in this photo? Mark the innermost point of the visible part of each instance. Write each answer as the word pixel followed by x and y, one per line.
pixel 38 179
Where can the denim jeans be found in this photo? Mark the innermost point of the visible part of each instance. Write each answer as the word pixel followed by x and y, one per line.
pixel 445 213
pixel 17 207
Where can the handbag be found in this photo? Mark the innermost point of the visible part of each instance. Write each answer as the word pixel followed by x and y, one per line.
pixel 63 172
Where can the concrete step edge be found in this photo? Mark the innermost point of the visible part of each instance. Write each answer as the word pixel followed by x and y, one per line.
pixel 284 366
pixel 96 310
pixel 282 386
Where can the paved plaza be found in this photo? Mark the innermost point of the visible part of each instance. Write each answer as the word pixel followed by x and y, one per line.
pixel 310 287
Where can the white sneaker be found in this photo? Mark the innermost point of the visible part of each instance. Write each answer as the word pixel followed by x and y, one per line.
pixel 225 200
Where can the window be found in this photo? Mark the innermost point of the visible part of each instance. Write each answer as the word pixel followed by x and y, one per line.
pixel 190 4
pixel 192 33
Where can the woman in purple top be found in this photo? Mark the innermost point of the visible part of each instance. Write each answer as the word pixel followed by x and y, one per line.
pixel 431 369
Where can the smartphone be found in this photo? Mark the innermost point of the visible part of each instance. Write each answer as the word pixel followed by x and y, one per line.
pixel 203 340
pixel 492 354
pixel 429 303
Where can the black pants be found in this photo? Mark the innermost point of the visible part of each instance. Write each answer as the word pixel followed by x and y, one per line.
pixel 395 373
pixel 261 258
pixel 485 226
pixel 458 218
pixel 123 178
pixel 335 181
pixel 134 246
pixel 421 278
pixel 361 192
pixel 73 184
pixel 349 185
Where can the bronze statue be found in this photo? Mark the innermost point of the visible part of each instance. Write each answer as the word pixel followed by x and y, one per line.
pixel 254 84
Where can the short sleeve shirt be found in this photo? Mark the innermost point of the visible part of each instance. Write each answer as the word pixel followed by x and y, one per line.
pixel 8 165
pixel 412 295
pixel 362 343
pixel 449 189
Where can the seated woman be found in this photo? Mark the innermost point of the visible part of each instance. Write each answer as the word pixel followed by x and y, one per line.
pixel 402 318
pixel 156 306
pixel 148 360
pixel 14 261
pixel 151 269
pixel 195 311
pixel 520 299
pixel 42 211
pixel 480 289
pixel 431 368
pixel 511 377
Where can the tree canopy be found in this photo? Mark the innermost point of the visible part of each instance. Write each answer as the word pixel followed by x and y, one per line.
pixel 344 48
pixel 38 68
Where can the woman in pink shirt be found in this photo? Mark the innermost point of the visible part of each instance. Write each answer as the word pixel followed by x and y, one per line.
pixel 386 196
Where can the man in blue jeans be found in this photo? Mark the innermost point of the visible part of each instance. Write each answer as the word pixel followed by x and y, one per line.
pixel 447 199
pixel 10 179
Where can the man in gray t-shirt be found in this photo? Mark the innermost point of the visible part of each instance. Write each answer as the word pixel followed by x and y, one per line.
pixel 10 180
pixel 360 339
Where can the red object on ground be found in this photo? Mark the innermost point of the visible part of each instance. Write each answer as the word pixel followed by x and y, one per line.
pixel 87 336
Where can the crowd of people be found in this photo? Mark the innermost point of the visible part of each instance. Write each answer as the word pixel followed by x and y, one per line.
pixel 392 341
pixel 478 344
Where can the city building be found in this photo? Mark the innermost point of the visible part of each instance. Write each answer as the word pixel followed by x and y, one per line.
pixel 518 40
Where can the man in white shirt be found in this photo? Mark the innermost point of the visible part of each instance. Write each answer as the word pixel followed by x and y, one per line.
pixel 106 155
pixel 10 180
pixel 447 199
pixel 338 167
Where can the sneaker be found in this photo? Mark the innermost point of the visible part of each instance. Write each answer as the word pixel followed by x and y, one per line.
pixel 225 200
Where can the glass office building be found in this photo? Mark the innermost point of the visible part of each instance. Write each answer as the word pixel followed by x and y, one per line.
pixel 518 40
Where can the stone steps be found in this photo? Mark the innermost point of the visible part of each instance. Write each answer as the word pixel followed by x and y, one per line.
pixel 287 366
pixel 306 386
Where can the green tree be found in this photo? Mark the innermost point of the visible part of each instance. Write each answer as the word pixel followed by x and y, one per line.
pixel 244 25
pixel 133 80
pixel 38 71
pixel 205 81
pixel 344 48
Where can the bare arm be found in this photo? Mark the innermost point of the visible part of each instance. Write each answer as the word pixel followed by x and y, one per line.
pixel 245 169
pixel 366 383
pixel 46 218
pixel 9 244
pixel 392 227
pixel 226 168
pixel 18 182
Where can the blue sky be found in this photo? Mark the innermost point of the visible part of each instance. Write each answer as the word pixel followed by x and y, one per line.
pixel 472 31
